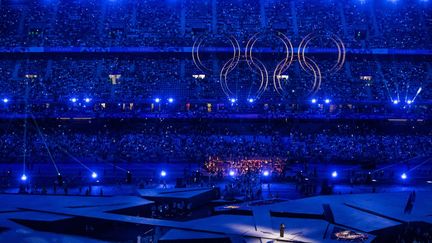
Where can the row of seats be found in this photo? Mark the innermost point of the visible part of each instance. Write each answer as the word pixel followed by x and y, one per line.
pixel 137 79
pixel 99 23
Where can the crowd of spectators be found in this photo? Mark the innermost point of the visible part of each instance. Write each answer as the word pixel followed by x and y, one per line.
pixel 175 23
pixel 364 24
pixel 143 79
pixel 192 142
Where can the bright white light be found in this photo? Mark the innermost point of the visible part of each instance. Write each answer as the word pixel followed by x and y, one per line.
pixel 266 173
pixel 233 100
pixel 157 100
pixel 334 174
pixel 395 102
pixel 23 177
pixel 251 100
pixel 409 102
pixel 327 101
pixel 170 100
pixel 429 182
pixel 404 176
pixel 419 90
pixel 232 173
pixel 73 100
pixel 314 101
pixel 94 175
pixel 87 100
pixel 163 173
pixel 5 100
pixel 199 76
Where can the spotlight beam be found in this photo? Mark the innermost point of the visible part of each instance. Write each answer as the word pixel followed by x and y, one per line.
pixel 46 145
pixel 25 142
pixel 74 158
pixel 118 167
pixel 392 165
pixel 420 164
pixel 406 92
pixel 388 90
pixel 415 96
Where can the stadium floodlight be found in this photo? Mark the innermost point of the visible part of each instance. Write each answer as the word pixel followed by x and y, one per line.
pixel 231 173
pixel 327 101
pixel 314 101
pixel 334 174
pixel 157 100
pixel 87 100
pixel 163 173
pixel 170 100
pixel 5 100
pixel 74 100
pixel 23 177
pixel 94 175
pixel 266 173
pixel 251 100
pixel 404 176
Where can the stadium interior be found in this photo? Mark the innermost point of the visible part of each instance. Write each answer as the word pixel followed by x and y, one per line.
pixel 216 121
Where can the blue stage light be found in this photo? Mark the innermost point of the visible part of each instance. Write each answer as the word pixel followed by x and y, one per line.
pixel 163 173
pixel 74 100
pixel 94 175
pixel 23 177
pixel 395 102
pixel 233 100
pixel 157 100
pixel 327 101
pixel 314 101
pixel 251 100
pixel 404 176
pixel 231 173
pixel 334 174
pixel 409 102
pixel 87 100
pixel 170 100
pixel 266 173
pixel 5 100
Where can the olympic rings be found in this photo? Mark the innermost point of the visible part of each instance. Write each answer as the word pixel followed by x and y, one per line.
pixel 255 65
pixel 335 39
pixel 196 55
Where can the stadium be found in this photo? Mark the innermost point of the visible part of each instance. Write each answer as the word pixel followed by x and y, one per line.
pixel 215 121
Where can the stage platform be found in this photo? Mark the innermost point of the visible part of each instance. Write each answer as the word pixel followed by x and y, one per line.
pixel 181 193
pixel 304 218
pixel 195 196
